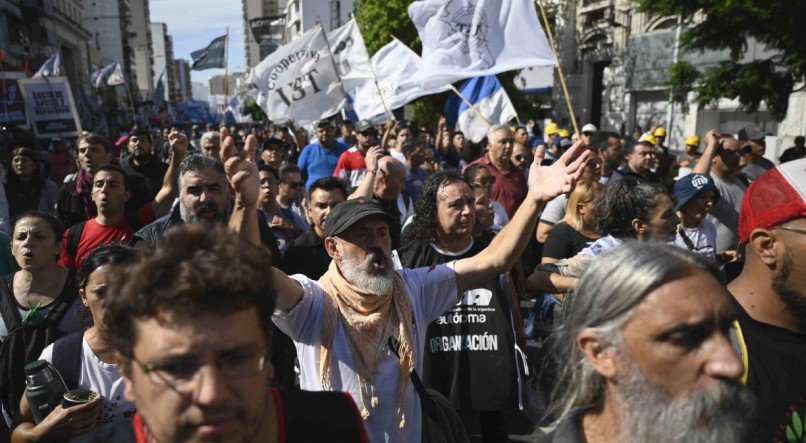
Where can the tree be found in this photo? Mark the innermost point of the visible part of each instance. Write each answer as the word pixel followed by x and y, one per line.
pixel 728 24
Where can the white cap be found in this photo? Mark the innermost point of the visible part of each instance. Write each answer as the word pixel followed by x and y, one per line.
pixel 590 127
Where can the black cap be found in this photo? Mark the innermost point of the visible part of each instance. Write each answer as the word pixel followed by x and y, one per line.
pixel 363 125
pixel 272 141
pixel 347 213
pixel 751 132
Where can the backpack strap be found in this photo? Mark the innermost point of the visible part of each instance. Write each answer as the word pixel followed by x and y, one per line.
pixel 74 238
pixel 67 358
pixel 425 399
pixel 8 304
pixel 64 301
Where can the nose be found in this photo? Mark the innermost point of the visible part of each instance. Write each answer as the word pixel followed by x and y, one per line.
pixel 722 360
pixel 210 387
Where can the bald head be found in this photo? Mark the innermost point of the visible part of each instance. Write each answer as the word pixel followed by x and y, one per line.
pixel 391 178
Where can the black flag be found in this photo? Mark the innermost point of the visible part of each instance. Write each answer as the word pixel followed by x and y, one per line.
pixel 210 57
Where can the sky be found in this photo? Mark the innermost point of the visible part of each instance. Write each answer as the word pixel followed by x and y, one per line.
pixel 194 23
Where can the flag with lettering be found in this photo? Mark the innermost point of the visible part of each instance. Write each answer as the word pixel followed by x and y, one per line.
pixel 396 67
pixel 299 81
pixel 350 54
pixel 475 38
pixel 213 56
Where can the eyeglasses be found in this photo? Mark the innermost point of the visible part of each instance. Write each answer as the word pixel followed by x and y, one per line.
pixel 177 373
pixel 792 229
pixel 487 180
pixel 295 185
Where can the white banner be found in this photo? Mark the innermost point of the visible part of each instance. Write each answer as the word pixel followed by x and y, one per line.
pixel 463 38
pixel 51 107
pixel 396 67
pixel 298 81
pixel 116 77
pixel 351 55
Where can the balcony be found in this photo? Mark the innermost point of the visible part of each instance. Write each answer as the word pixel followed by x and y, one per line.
pixel 37 7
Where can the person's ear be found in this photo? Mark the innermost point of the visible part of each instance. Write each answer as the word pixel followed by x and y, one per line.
pixel 330 247
pixel 83 296
pixel 128 196
pixel 598 354
pixel 765 244
pixel 639 226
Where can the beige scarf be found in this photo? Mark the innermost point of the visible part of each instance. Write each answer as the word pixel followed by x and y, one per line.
pixel 369 321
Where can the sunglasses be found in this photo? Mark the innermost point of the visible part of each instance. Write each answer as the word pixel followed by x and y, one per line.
pixel 519 158
pixel 369 133
pixel 295 185
pixel 487 180
pixel 268 181
pixel 593 163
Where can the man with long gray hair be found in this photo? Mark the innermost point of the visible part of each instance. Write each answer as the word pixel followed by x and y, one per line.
pixel 646 355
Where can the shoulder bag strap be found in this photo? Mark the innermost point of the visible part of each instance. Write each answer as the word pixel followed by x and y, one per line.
pixel 686 240
pixel 425 399
pixel 64 301
pixel 8 304
pixel 67 358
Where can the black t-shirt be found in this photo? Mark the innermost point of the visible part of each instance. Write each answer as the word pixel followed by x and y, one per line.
pixel 151 173
pixel 469 354
pixel 564 241
pixel 776 373
pixel 307 256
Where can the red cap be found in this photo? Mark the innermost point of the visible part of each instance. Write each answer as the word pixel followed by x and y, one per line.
pixel 774 198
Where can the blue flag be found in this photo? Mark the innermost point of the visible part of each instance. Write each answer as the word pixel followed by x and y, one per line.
pixel 213 56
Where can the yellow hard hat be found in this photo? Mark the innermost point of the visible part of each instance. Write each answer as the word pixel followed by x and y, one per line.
pixel 564 133
pixel 693 140
pixel 649 138
pixel 551 129
pixel 660 131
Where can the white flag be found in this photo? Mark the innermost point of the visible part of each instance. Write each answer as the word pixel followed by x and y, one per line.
pixel 396 67
pixel 350 55
pixel 298 81
pixel 98 78
pixel 473 38
pixel 51 68
pixel 116 77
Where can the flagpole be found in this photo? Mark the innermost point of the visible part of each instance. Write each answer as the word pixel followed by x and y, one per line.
pixel 559 67
pixel 226 67
pixel 131 100
pixel 470 105
pixel 332 57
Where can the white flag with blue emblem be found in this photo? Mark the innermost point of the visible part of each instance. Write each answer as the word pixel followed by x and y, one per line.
pixel 51 68
pixel 473 38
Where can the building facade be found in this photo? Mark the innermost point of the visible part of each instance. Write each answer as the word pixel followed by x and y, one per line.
pixel 616 61
pixel 253 9
pixel 140 40
pixel 184 88
pixel 162 45
pixel 302 15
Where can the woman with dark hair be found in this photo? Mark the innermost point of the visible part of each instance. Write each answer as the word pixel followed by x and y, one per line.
pixel 625 210
pixel 40 284
pixel 26 188
pixel 479 175
pixel 96 369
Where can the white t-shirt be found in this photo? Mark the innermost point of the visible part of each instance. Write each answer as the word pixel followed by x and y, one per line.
pixel 555 210
pixel 105 379
pixel 500 217
pixel 432 291
pixel 703 238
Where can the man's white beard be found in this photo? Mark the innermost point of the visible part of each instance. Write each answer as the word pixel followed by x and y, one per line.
pixel 374 283
pixel 649 413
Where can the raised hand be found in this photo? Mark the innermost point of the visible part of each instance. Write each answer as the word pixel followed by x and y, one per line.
pixel 245 180
pixel 373 155
pixel 547 182
pixel 178 143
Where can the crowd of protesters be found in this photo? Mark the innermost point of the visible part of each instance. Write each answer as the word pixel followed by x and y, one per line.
pixel 214 284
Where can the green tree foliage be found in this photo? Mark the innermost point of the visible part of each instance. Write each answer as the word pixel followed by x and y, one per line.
pixel 727 25
pixel 379 20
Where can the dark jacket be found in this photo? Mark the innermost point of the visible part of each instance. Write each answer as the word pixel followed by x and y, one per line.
pixel 152 173
pixel 151 234
pixel 306 256
pixel 72 208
